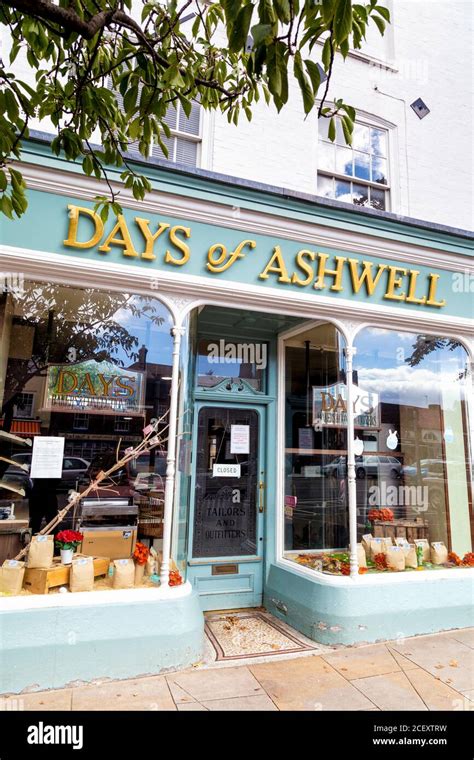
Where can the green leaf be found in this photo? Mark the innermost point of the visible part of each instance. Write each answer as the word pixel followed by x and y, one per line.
pixel 380 23
pixel 314 74
pixel 240 31
pixel 342 20
pixel 303 81
pixel 261 32
pixel 326 54
pixel 283 10
pixel 332 129
pixel 3 180
pixel 347 128
pixel 384 12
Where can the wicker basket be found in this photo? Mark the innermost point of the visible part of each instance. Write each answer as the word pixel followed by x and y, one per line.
pixel 150 516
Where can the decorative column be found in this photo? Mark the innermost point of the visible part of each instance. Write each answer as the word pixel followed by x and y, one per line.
pixel 351 476
pixel 176 332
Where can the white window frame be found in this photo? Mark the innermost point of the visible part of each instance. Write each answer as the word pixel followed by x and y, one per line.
pixel 392 189
pixel 20 413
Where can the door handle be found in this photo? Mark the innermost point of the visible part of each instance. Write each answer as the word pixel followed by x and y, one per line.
pixel 261 496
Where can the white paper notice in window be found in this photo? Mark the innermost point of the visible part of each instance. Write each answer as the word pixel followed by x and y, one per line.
pixel 239 439
pixel 47 458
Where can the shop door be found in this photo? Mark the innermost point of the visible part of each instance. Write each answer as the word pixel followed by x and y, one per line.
pixel 226 541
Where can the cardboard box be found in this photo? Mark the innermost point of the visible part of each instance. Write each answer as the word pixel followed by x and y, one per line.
pixel 116 543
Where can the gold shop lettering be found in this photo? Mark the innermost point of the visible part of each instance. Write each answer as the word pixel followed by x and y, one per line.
pixel 306 269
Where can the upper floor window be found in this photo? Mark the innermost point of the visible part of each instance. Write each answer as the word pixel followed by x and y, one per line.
pixel 357 174
pixel 24 405
pixel 185 140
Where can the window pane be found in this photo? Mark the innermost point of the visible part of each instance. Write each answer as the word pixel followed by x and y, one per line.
pixel 190 125
pixel 377 199
pixel 361 165
pixel 379 170
pixel 315 497
pixel 361 138
pixel 360 195
pixel 343 191
pixel 186 152
pixel 378 139
pixel 344 161
pixel 170 144
pixel 340 139
pixel 323 126
pixel 326 156
pixel 421 389
pixel 325 186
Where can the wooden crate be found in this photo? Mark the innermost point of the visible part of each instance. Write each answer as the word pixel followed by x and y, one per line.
pixel 10 538
pixel 412 530
pixel 39 580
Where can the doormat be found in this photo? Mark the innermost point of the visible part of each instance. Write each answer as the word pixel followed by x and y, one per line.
pixel 239 636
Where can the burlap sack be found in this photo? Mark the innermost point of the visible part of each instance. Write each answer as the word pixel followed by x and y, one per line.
pixel 40 552
pixel 410 556
pixel 366 539
pixel 124 573
pixel 11 576
pixel 423 542
pixel 361 558
pixel 439 553
pixel 81 575
pixel 395 558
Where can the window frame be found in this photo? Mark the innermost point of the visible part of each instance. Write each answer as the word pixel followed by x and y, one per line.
pixel 393 188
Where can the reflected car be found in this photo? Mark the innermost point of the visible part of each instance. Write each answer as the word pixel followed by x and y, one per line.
pixel 378 466
pixel 74 471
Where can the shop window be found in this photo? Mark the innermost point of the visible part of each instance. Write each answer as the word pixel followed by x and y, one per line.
pixel 421 469
pixel 315 435
pixel 243 363
pixel 90 360
pixel 357 174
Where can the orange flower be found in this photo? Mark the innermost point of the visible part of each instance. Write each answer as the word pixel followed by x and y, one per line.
pixel 380 561
pixel 363 570
pixel 141 553
pixel 468 559
pixel 453 557
pixel 175 578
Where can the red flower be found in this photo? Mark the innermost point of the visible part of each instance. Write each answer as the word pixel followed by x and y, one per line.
pixel 380 561
pixel 68 539
pixel 141 553
pixel 175 578
pixel 468 559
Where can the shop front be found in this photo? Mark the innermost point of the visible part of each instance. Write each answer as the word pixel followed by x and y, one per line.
pixel 305 372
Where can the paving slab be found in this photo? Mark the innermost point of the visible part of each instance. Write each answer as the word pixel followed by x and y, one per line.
pixel 442 656
pixel 362 662
pixel 259 702
pixel 404 662
pixel 51 700
pixel 191 706
pixel 139 694
pixel 217 683
pixel 435 694
pixel 391 691
pixel 464 635
pixel 308 683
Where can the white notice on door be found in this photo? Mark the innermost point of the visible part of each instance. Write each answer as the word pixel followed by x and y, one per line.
pixel 47 457
pixel 239 439
pixel 226 471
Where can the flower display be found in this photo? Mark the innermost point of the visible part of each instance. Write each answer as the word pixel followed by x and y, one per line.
pixel 68 539
pixel 384 514
pixel 175 578
pixel 141 553
pixel 380 561
pixel 468 559
pixel 454 558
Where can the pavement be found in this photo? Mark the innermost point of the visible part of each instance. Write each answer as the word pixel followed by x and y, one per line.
pixel 434 672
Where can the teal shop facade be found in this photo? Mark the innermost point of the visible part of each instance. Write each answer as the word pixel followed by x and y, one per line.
pixel 273 315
